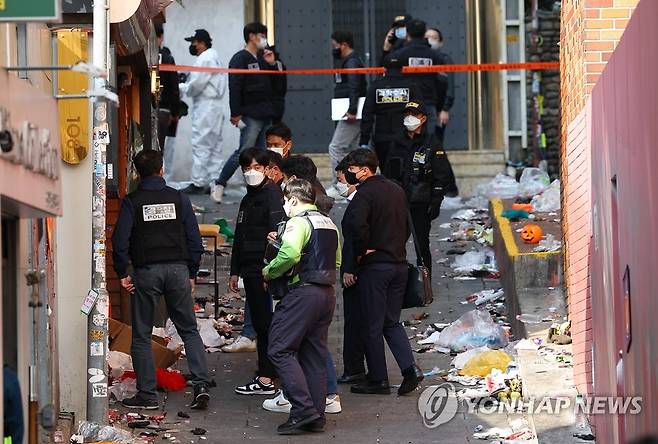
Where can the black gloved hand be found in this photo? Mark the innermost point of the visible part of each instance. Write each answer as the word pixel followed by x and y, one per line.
pixel 434 209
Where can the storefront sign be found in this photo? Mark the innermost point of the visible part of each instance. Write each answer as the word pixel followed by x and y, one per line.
pixel 29 147
pixel 30 11
pixel 73 113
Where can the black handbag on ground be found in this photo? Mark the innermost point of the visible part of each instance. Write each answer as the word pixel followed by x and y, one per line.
pixel 419 286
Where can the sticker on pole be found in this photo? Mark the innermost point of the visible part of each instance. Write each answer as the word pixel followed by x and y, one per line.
pixel 99 390
pixel 97 375
pixel 96 348
pixel 89 302
pixel 102 134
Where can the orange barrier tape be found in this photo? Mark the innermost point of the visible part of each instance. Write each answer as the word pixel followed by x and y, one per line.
pixel 534 66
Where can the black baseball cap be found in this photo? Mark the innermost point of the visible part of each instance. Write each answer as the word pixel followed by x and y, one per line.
pixel 401 20
pixel 200 35
pixel 415 108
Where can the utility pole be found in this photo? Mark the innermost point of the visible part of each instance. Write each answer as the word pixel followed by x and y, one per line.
pixel 97 322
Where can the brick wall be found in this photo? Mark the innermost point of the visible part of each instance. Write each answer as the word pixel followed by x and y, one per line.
pixel 589 33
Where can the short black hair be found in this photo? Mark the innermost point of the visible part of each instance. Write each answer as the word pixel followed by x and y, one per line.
pixel 342 165
pixel 148 163
pixel 275 159
pixel 301 167
pixel 279 129
pixel 344 37
pixel 416 29
pixel 438 31
pixel 363 157
pixel 159 29
pixel 253 28
pixel 258 154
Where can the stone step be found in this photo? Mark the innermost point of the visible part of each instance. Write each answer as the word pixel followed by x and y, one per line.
pixel 477 169
pixel 476 157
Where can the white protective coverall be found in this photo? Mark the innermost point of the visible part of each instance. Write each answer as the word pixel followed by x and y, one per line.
pixel 206 91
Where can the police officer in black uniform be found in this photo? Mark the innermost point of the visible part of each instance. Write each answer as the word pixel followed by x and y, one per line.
pixel 158 233
pixel 384 106
pixel 418 162
pixel 396 37
pixel 417 52
pixel 300 325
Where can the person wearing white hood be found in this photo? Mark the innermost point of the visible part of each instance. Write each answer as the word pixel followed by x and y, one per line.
pixel 206 91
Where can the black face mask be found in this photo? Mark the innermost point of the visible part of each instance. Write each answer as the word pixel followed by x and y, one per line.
pixel 193 50
pixel 350 178
pixel 337 53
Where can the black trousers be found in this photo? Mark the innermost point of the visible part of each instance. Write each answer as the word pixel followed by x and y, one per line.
pixel 261 316
pixel 422 225
pixel 164 116
pixel 298 347
pixel 353 354
pixel 382 149
pixel 440 134
pixel 381 287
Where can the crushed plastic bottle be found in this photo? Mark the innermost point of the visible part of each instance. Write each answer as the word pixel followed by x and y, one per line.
pixel 528 318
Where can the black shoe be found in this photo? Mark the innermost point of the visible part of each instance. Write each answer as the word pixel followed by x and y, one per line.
pixel 372 388
pixel 201 397
pixel 295 426
pixel 137 402
pixel 352 379
pixel 412 378
pixel 193 189
pixel 316 426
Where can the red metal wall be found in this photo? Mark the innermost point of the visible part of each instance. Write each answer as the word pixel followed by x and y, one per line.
pixel 625 148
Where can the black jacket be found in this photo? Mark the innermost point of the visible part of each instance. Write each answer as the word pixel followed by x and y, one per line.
pixel 170 96
pixel 280 88
pixel 350 85
pixel 419 53
pixel 446 85
pixel 378 221
pixel 420 166
pixel 260 212
pixel 348 259
pixel 252 95
pixel 384 107
pixel 123 230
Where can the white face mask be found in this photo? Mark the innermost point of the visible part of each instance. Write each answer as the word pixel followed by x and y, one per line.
pixel 262 43
pixel 343 189
pixel 412 123
pixel 254 178
pixel 276 150
pixel 288 206
pixel 434 43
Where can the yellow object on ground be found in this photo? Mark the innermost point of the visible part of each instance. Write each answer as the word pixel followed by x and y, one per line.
pixel 481 364
pixel 212 230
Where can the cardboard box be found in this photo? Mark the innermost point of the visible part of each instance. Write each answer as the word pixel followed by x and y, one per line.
pixel 120 338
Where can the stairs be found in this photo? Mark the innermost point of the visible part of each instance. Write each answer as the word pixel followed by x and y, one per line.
pixel 471 168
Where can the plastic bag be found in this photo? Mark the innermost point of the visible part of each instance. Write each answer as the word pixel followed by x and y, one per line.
pixel 93 432
pixel 208 333
pixel 464 215
pixel 549 200
pixel 462 358
pixel 123 389
pixel 474 329
pixel 175 341
pixel 119 362
pixel 548 244
pixel 502 186
pixel 533 181
pixel 452 203
pixel 471 261
pixel 482 363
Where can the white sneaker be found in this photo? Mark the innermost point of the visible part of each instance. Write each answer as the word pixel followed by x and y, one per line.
pixel 240 345
pixel 279 404
pixel 216 192
pixel 333 404
pixel 334 193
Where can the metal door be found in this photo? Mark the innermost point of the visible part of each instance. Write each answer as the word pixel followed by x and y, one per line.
pixel 303 37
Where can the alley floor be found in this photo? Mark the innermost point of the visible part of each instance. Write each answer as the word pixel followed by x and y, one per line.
pixel 365 418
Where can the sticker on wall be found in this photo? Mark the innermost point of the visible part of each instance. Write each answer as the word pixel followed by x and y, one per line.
pixel 102 134
pixel 101 112
pixel 96 348
pixel 102 306
pixel 97 375
pixel 99 390
pixel 89 302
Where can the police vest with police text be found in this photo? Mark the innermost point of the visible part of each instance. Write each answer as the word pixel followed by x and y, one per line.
pixel 318 262
pixel 158 233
